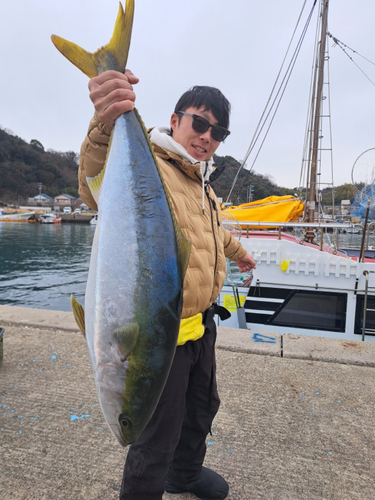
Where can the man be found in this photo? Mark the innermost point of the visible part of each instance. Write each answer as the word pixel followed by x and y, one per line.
pixel 170 452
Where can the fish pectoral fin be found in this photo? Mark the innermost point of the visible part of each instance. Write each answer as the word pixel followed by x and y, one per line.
pixel 79 314
pixel 126 337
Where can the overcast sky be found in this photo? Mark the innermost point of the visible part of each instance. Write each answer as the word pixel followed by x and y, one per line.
pixel 237 46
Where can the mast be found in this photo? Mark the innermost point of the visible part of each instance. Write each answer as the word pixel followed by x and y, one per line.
pixel 312 206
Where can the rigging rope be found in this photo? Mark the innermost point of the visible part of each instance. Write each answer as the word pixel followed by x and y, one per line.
pixel 261 125
pixel 286 80
pixel 342 45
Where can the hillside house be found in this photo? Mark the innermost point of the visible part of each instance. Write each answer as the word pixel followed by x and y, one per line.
pixel 63 200
pixel 40 199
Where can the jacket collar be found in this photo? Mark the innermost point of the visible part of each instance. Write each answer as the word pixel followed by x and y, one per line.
pixel 192 170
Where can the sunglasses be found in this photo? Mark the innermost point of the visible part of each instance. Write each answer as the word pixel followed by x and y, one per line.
pixel 201 125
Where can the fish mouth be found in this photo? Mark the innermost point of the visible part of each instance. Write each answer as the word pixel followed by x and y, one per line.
pixel 116 431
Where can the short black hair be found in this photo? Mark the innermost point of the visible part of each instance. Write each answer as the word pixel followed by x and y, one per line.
pixel 208 97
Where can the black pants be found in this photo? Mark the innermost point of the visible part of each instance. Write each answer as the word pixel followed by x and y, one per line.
pixel 174 440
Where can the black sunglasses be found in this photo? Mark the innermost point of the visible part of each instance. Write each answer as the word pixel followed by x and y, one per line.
pixel 201 125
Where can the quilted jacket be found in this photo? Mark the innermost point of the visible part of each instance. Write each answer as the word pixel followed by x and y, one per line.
pixel 211 243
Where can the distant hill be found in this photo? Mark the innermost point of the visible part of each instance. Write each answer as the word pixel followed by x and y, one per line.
pixel 261 186
pixel 23 165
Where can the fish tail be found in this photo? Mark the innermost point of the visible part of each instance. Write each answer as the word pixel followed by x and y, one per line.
pixel 114 55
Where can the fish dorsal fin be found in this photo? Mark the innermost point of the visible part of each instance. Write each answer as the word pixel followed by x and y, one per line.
pixel 126 337
pixel 114 55
pixel 79 314
pixel 95 185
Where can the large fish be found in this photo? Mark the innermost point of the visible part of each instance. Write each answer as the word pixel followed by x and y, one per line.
pixel 139 257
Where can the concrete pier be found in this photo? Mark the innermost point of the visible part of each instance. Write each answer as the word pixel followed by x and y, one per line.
pixel 297 418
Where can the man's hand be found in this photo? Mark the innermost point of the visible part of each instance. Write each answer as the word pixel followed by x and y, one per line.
pixel 247 263
pixel 112 94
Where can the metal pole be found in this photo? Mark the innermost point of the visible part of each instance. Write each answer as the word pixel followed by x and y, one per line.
pixel 362 253
pixel 365 273
pixel 317 113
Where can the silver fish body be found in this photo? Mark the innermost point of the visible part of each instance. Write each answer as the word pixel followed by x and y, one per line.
pixel 139 257
pixel 134 290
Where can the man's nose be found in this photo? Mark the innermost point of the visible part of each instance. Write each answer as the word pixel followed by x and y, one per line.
pixel 206 135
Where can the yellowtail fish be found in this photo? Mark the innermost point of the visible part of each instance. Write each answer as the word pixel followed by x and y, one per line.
pixel 139 257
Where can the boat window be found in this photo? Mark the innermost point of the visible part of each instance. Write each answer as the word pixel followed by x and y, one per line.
pixel 312 310
pixel 370 315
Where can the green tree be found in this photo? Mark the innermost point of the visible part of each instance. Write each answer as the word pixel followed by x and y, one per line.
pixel 71 191
pixel 36 144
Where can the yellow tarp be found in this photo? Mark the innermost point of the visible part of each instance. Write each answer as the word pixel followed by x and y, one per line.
pixel 271 209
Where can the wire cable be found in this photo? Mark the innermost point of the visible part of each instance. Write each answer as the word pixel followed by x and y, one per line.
pixel 286 77
pixel 342 45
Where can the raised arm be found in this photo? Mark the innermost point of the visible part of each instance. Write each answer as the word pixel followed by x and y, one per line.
pixel 111 94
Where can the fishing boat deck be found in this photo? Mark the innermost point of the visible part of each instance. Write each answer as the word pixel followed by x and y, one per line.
pixel 296 420
pixel 267 235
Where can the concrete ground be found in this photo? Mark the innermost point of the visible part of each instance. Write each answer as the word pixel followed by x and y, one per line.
pixel 297 421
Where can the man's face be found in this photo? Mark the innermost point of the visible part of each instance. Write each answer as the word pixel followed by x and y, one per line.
pixel 199 146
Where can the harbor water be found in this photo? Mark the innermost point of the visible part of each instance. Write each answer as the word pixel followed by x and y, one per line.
pixel 41 265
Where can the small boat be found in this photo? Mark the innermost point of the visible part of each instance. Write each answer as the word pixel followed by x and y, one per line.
pixel 18 217
pixel 49 218
pixel 94 220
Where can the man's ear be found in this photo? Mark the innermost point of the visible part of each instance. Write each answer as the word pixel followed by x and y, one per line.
pixel 174 121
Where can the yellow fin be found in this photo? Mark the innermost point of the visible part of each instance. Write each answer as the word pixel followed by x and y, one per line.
pixel 114 55
pixel 126 337
pixel 79 314
pixel 95 184
pixel 84 60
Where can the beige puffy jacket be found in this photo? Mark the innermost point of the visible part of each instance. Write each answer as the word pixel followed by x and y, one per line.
pixel 211 243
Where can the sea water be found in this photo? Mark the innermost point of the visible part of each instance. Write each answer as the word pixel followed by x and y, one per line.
pixel 41 265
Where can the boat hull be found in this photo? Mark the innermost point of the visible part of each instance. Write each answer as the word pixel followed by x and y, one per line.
pixel 19 217
pixel 298 288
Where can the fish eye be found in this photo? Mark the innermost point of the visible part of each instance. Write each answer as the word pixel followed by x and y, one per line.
pixel 124 421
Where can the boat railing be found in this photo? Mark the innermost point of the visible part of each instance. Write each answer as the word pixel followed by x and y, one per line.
pixel 366 309
pixel 356 290
pixel 319 227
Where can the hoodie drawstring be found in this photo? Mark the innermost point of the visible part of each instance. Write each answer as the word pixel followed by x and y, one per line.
pixel 206 169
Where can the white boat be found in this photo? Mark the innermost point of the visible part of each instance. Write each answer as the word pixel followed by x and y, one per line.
pixel 299 286
pixel 18 217
pixel 49 218
pixel 94 220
